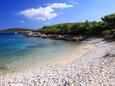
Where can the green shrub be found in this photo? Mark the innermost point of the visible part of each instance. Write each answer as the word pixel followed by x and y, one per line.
pixel 106 33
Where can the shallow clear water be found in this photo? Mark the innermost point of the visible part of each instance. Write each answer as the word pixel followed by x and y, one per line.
pixel 16 49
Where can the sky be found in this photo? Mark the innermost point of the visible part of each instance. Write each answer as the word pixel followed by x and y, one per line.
pixel 35 14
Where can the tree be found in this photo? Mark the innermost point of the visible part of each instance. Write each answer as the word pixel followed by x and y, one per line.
pixel 110 19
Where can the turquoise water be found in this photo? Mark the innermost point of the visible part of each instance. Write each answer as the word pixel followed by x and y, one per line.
pixel 16 49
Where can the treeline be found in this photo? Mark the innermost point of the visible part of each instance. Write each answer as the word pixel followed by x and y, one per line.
pixel 106 27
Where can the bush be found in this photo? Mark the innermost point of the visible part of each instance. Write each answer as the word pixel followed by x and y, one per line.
pixel 106 33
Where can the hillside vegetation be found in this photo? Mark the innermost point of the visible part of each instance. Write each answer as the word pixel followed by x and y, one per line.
pixel 106 28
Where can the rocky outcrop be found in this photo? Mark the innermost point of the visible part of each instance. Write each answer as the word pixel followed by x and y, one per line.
pixel 55 36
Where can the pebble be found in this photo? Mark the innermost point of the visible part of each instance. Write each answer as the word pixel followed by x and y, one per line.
pixel 90 70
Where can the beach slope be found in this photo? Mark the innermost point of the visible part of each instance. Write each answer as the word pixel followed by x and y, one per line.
pixel 95 67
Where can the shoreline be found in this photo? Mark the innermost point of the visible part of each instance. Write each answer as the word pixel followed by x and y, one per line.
pixel 55 36
pixel 71 73
pixel 64 59
pixel 83 49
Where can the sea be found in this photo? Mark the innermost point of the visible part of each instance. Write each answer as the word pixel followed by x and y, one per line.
pixel 17 51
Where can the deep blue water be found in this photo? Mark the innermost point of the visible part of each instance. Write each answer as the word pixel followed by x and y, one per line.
pixel 17 49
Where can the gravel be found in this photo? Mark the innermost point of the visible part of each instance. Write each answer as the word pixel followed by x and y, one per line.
pixel 94 68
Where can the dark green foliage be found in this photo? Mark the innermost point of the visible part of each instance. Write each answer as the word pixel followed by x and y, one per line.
pixel 110 20
pixel 106 33
pixel 100 28
pixel 86 29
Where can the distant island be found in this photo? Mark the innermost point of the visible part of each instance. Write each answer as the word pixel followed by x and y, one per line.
pixel 15 30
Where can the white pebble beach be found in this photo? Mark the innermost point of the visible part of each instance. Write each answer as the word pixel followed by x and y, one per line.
pixel 91 67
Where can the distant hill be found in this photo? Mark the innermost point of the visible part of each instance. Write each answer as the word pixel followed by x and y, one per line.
pixel 15 30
